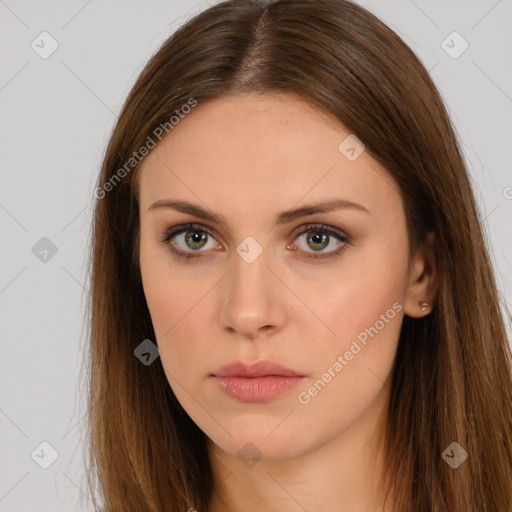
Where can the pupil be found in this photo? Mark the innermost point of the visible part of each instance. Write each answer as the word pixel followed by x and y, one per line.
pixel 318 238
pixel 195 237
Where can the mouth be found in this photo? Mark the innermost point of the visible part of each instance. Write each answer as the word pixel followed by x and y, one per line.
pixel 257 382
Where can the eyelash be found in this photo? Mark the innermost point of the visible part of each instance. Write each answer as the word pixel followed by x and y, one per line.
pixel 321 228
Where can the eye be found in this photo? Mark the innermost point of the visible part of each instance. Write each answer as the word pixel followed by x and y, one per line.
pixel 186 241
pixel 319 237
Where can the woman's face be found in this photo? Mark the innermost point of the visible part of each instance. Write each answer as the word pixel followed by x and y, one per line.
pixel 322 293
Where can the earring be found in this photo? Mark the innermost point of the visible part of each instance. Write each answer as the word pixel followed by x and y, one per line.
pixel 423 305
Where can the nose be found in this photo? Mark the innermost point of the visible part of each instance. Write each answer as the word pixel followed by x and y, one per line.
pixel 254 303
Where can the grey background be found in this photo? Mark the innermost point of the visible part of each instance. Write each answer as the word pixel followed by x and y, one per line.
pixel 56 116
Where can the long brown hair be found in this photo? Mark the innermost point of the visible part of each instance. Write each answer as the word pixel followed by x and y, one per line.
pixel 452 378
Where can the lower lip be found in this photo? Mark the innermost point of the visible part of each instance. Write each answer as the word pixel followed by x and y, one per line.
pixel 257 389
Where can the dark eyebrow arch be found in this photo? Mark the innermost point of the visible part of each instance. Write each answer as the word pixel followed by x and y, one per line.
pixel 283 217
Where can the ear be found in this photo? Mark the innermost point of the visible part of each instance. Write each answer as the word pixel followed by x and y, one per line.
pixel 423 280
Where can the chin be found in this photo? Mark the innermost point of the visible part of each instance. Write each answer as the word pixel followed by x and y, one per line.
pixel 253 441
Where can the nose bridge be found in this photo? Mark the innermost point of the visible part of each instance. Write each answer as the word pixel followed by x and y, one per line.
pixel 249 278
pixel 253 299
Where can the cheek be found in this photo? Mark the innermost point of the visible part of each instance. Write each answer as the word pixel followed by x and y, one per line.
pixel 366 327
pixel 364 312
pixel 350 371
pixel 155 281
pixel 178 306
pixel 369 283
pixel 165 295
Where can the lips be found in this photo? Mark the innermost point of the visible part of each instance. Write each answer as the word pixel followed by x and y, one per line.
pixel 257 382
pixel 256 369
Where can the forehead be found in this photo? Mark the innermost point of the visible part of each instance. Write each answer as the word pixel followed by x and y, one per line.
pixel 247 151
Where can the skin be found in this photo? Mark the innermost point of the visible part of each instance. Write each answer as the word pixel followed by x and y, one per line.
pixel 248 157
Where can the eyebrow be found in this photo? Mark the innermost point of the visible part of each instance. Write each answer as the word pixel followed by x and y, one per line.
pixel 283 217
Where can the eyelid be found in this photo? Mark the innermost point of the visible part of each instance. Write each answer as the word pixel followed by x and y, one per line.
pixel 300 230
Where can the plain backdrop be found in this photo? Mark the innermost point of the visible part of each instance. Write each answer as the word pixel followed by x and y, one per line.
pixel 57 112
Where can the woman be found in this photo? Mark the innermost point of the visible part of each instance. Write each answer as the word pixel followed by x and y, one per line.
pixel 283 210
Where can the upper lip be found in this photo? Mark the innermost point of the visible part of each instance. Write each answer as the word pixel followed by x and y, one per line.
pixel 256 369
